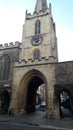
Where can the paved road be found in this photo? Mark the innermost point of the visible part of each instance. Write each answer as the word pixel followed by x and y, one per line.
pixel 22 127
pixel 33 121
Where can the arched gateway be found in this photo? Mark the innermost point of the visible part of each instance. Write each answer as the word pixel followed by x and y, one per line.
pixel 27 90
pixel 25 85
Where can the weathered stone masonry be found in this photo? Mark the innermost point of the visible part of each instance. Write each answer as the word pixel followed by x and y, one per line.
pixel 36 59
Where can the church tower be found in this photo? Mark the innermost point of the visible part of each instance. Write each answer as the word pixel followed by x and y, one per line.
pixel 36 61
pixel 39 40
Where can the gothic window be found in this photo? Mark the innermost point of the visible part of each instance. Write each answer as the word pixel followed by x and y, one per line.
pixel 36 54
pixel 5 66
pixel 37 27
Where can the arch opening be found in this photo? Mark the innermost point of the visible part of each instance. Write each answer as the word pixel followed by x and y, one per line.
pixel 5 101
pixel 27 94
pixel 35 96
pixel 65 104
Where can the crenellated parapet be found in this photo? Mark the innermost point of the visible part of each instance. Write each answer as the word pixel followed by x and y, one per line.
pixel 10 45
pixel 40 13
pixel 32 62
pixel 30 16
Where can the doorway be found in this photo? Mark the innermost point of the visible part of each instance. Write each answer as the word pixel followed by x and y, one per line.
pixel 65 104
pixel 27 93
pixel 5 100
pixel 35 96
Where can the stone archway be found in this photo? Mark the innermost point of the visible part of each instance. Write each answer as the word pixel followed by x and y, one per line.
pixel 5 101
pixel 31 93
pixel 27 89
pixel 65 104
pixel 64 101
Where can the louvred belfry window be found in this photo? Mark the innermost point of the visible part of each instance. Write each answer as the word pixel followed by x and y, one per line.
pixel 36 54
pixel 37 27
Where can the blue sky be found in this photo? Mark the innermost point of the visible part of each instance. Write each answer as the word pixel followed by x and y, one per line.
pixel 12 15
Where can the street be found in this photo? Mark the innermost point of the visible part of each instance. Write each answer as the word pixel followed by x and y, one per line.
pixel 34 121
pixel 22 127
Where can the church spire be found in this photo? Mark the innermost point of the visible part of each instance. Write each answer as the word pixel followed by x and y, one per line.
pixel 41 5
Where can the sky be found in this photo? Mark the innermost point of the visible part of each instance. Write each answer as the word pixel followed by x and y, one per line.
pixel 12 17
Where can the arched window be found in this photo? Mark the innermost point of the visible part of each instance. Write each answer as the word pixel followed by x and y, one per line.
pixel 5 66
pixel 37 27
pixel 36 54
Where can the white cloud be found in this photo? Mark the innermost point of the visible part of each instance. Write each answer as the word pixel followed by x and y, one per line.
pixel 65 43
pixel 10 25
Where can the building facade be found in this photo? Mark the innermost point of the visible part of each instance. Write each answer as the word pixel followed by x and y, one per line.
pixel 9 53
pixel 28 65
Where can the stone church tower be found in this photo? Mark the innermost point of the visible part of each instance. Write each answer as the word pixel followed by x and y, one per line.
pixel 39 35
pixel 35 66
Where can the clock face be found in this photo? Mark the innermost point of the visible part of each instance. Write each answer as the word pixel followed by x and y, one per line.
pixel 36 40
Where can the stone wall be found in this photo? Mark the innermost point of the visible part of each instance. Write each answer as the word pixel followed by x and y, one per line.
pixel 64 82
pixel 64 73
pixel 9 53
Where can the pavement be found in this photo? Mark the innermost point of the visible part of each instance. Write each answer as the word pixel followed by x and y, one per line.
pixel 38 119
